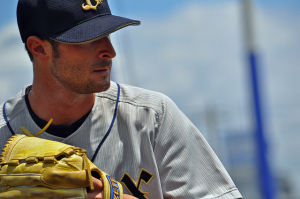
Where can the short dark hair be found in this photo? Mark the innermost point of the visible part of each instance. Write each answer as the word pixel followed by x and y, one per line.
pixel 54 45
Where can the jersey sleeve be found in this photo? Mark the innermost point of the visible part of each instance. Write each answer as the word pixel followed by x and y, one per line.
pixel 187 165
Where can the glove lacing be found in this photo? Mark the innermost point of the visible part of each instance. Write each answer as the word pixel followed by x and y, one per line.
pixel 49 159
pixel 27 132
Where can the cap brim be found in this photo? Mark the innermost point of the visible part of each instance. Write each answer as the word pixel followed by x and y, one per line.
pixel 94 29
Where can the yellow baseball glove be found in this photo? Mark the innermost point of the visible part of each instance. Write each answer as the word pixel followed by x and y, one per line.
pixel 32 167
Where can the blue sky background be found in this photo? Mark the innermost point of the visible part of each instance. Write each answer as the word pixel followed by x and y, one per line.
pixel 155 8
pixel 193 51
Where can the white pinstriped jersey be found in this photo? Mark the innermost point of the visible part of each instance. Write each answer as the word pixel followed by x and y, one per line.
pixel 153 148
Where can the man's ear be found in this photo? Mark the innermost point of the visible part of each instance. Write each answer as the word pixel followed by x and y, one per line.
pixel 40 49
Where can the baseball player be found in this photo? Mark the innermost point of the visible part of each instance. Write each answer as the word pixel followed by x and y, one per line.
pixel 137 136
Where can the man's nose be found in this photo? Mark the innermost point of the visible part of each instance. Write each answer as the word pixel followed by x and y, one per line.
pixel 106 49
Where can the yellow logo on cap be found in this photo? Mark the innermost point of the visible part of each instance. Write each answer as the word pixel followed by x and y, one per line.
pixel 90 6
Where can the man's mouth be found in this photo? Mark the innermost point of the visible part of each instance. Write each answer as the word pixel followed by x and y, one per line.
pixel 102 67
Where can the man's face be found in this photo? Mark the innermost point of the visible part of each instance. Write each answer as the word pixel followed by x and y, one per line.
pixel 84 68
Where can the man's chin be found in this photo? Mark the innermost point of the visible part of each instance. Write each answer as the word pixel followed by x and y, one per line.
pixel 100 88
pixel 89 89
pixel 103 87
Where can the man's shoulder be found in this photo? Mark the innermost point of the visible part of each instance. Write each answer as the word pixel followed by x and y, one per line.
pixel 136 96
pixel 11 108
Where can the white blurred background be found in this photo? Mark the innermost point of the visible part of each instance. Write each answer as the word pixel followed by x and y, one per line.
pixel 194 51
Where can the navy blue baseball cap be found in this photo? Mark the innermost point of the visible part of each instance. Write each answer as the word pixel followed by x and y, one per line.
pixel 69 21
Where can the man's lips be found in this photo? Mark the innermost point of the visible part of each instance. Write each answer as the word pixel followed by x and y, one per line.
pixel 102 66
pixel 101 69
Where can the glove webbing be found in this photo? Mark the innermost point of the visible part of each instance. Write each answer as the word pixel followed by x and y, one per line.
pixel 48 159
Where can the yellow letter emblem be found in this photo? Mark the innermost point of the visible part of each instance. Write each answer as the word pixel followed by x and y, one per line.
pixel 90 6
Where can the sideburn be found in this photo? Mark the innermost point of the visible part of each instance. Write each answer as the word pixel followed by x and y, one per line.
pixel 55 50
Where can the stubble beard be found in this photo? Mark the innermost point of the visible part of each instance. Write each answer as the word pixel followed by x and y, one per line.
pixel 76 83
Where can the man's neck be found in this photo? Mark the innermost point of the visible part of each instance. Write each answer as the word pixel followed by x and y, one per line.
pixel 64 106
